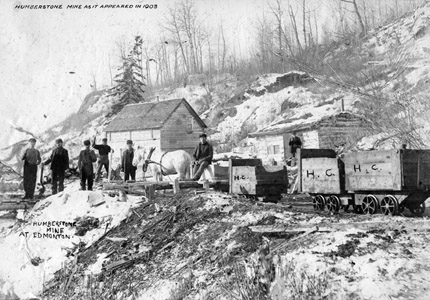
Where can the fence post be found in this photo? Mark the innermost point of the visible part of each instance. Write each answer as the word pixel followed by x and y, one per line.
pixel 299 169
pixel 110 167
pixel 175 185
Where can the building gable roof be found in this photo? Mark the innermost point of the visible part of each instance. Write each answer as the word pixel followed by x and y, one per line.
pixel 288 126
pixel 151 115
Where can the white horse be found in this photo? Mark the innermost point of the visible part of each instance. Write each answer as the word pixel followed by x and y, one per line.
pixel 163 163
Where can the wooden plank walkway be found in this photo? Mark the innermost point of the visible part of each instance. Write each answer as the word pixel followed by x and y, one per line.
pixel 148 188
pixel 15 204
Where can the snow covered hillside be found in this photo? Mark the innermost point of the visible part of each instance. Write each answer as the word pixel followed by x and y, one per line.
pixel 232 107
pixel 51 235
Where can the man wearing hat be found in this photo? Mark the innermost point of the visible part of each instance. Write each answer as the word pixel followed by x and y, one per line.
pixel 104 150
pixel 295 143
pixel 127 162
pixel 59 161
pixel 85 165
pixel 203 157
pixel 31 158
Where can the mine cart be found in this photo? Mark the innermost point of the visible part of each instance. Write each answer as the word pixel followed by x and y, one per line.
pixel 321 174
pixel 390 180
pixel 249 177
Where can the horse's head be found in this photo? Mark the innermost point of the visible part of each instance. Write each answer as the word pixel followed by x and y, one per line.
pixel 148 159
pixel 139 154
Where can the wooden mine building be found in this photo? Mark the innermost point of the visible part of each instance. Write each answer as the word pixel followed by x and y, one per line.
pixel 168 125
pixel 328 132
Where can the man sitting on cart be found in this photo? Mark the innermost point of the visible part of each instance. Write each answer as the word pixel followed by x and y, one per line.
pixel 203 157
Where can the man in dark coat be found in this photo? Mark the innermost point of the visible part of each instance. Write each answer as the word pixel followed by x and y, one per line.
pixel 104 150
pixel 203 157
pixel 85 165
pixel 294 143
pixel 127 162
pixel 59 161
pixel 31 158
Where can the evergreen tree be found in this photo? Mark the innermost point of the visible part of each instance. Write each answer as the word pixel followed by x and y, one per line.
pixel 130 81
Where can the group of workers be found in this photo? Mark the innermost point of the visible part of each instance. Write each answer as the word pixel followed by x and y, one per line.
pixel 59 161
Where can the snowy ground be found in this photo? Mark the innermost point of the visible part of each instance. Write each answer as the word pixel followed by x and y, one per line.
pixel 195 246
pixel 33 258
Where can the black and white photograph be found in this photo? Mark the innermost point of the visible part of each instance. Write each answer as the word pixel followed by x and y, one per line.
pixel 214 149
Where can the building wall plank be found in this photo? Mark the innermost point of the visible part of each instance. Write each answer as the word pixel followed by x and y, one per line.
pixel 175 134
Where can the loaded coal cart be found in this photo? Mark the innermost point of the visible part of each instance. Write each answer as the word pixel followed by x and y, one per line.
pixel 389 180
pixel 321 174
pixel 249 177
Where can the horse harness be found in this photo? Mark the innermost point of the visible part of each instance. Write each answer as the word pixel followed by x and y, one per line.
pixel 149 161
pixel 161 165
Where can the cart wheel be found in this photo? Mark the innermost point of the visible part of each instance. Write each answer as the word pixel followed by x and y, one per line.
pixel 345 208
pixel 369 204
pixel 318 202
pixel 333 203
pixel 357 209
pixel 418 210
pixel 389 205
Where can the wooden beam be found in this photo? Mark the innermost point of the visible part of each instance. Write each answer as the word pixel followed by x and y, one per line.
pixel 160 185
pixel 110 167
pixel 15 205
pixel 230 177
pixel 176 187
pixel 150 192
pixel 299 169
pixel 327 227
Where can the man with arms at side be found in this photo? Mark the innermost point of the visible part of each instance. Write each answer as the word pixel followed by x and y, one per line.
pixel 85 164
pixel 31 158
pixel 59 161
pixel 294 143
pixel 127 162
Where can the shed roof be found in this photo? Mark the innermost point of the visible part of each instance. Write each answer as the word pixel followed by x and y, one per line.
pixel 151 115
pixel 289 127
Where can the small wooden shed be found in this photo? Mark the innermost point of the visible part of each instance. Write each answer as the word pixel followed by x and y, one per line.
pixel 326 132
pixel 168 125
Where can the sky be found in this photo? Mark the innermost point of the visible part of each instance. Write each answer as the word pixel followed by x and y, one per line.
pixel 49 57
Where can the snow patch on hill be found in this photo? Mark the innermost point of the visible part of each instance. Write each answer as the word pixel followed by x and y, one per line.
pixel 24 242
pixel 314 112
pixel 261 107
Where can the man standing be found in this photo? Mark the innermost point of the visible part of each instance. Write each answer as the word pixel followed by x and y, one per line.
pixel 31 158
pixel 85 165
pixel 127 162
pixel 203 156
pixel 104 150
pixel 59 161
pixel 294 143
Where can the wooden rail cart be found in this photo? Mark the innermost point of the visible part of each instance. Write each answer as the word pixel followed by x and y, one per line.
pixel 249 177
pixel 321 174
pixel 389 180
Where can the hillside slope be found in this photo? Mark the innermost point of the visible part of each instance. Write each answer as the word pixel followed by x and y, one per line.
pixel 212 245
pixel 391 64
